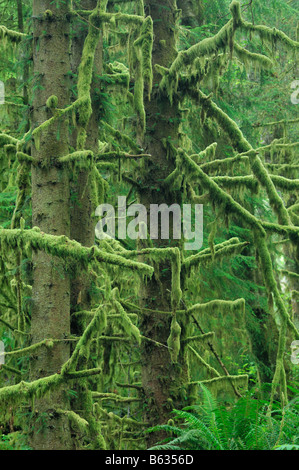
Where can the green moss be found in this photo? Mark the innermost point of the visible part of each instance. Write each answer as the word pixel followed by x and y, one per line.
pixel 290 274
pixel 80 159
pixel 7 139
pixel 220 384
pixel 129 327
pixel 173 342
pixel 145 43
pixel 204 339
pixel 63 247
pixel 251 59
pixel 211 238
pixel 270 35
pixel 85 73
pixel 114 397
pixel 205 48
pixel 220 251
pixel 213 372
pixel 52 102
pixel 48 343
pixel 9 35
pixel 80 423
pixel 176 292
pixel 121 137
pixel 241 145
pixel 24 158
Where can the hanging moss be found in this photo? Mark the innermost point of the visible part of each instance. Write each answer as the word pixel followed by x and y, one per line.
pixel 221 251
pixel 85 73
pixel 295 294
pixel 145 43
pixel 221 384
pixel 202 339
pixel 207 47
pixel 139 90
pixel 63 247
pixel 176 292
pixel 23 185
pixel 211 238
pixel 48 343
pixel 173 342
pixel 210 369
pixel 7 139
pixel 222 306
pixel 270 35
pixel 80 159
pixel 248 182
pixel 265 258
pixel 222 198
pixel 290 274
pixel 140 7
pixel 292 231
pixel 121 137
pixel 258 61
pixel 206 155
pixel 129 327
pixel 24 158
pixel 52 102
pixel 114 397
pixel 122 79
pixel 97 325
pixel 12 36
pixel 241 145
pixel 80 423
pixel 11 370
pixel 16 394
pixel 285 183
pixel 117 419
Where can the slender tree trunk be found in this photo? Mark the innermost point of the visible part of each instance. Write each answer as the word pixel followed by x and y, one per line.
pixel 50 212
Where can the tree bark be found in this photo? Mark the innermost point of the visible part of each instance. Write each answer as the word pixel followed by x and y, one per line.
pixel 192 12
pixel 83 226
pixel 50 212
pixel 82 223
pixel 163 381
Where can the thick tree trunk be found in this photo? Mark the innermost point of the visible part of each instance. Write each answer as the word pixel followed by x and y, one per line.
pixel 163 381
pixel 82 223
pixel 192 12
pixel 50 212
pixel 83 226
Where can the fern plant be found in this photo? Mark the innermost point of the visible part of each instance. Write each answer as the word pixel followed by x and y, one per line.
pixel 243 426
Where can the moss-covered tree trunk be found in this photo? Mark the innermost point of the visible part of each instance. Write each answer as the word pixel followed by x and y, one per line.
pixel 163 381
pixel 50 212
pixel 83 225
pixel 192 12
